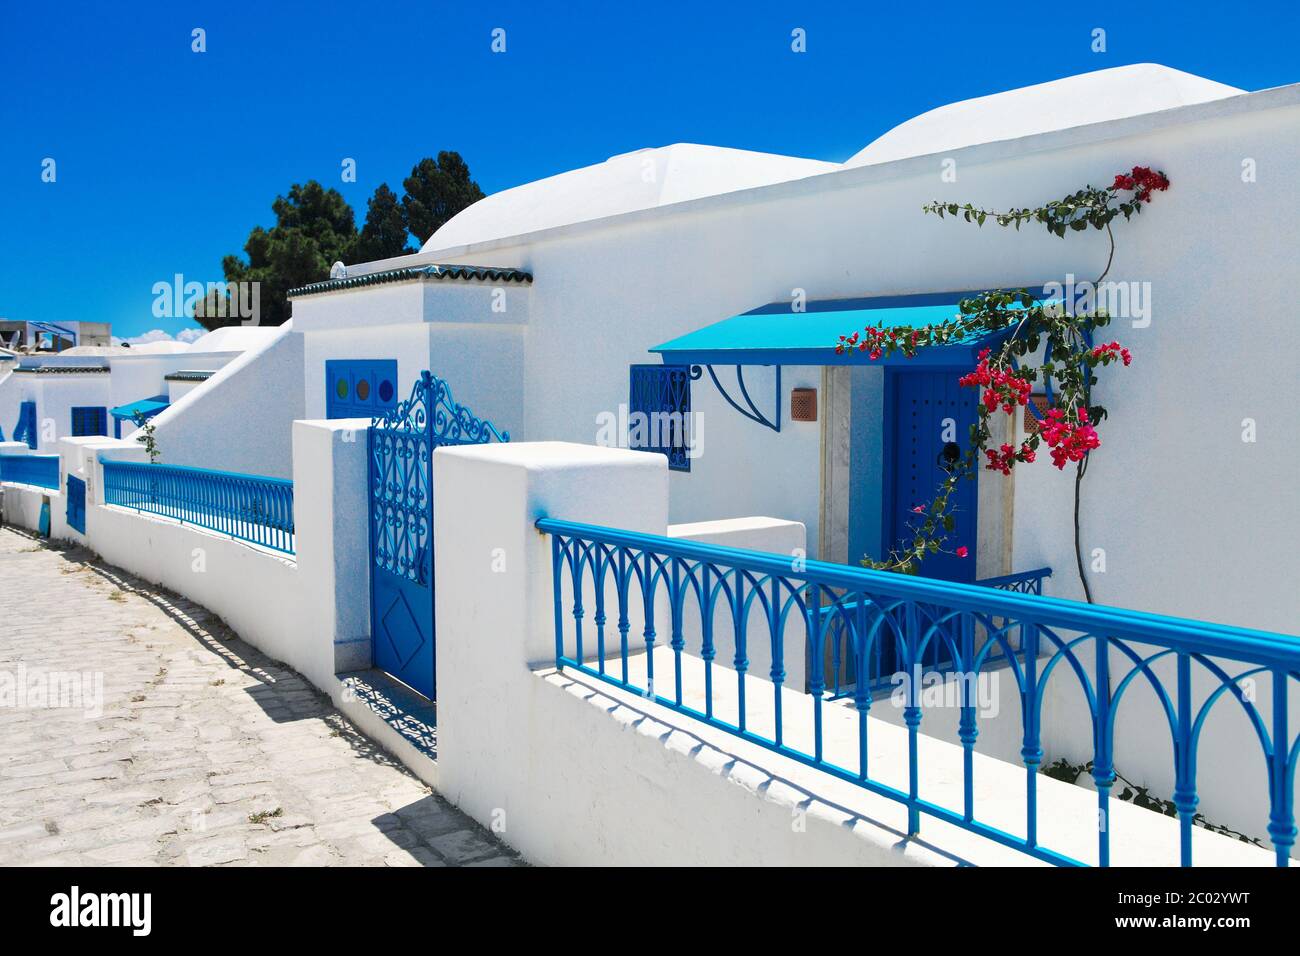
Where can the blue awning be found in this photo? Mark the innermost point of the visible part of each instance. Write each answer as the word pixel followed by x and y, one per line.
pixel 148 407
pixel 773 335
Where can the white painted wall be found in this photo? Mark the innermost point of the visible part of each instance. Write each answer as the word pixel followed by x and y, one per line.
pixel 452 328
pixel 178 389
pixel 143 376
pixel 242 418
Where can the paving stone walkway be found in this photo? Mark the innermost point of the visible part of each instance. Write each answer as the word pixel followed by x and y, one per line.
pixel 204 751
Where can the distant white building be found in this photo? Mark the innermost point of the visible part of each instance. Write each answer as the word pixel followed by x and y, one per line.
pixel 98 389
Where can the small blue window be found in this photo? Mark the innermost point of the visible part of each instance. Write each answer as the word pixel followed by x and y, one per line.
pixel 89 420
pixel 659 412
pixel 359 388
pixel 25 430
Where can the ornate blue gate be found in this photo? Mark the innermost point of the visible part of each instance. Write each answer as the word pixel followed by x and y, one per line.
pixel 401 445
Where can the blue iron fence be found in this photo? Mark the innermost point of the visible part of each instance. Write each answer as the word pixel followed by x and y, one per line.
pixel 625 577
pixel 843 671
pixel 249 507
pixel 39 470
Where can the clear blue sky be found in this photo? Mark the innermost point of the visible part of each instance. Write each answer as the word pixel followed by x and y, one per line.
pixel 166 158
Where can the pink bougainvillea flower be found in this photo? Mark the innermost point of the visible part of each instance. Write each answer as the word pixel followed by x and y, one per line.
pixel 962 552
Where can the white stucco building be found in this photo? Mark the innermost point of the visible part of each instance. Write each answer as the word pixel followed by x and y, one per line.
pixel 552 311
pixel 575 278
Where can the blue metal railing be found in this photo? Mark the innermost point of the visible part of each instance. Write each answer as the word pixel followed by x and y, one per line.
pixel 843 672
pixel 39 470
pixel 627 578
pixel 249 507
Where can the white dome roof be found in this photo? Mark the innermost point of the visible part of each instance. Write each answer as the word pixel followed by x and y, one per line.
pixel 642 179
pixel 234 338
pixel 1061 104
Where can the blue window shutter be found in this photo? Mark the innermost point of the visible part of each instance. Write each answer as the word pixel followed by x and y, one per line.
pixel 26 428
pixel 89 420
pixel 360 388
pixel 660 395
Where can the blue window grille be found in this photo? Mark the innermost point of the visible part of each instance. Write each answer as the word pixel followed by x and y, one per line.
pixel 659 412
pixel 89 420
pixel 39 470
pixel 76 511
pixel 249 507
pixel 25 430
pixel 631 578
pixel 360 388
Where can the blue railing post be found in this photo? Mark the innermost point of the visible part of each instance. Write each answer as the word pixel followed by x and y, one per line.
pixel 1185 799
pixel 862 688
pixel 967 729
pixel 1103 761
pixel 598 575
pixel 677 642
pixel 817 661
pixel 777 670
pixel 1281 818
pixel 912 716
pixel 739 615
pixel 1031 751
pixel 648 606
pixel 559 605
pixel 707 651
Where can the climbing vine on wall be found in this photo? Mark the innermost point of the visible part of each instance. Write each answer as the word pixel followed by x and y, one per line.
pixel 1020 324
pixel 1140 796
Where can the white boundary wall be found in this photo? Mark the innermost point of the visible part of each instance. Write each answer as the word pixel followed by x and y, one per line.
pixel 571 771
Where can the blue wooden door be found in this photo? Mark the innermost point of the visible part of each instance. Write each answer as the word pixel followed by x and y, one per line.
pixel 76 513
pixel 930 412
pixel 400 446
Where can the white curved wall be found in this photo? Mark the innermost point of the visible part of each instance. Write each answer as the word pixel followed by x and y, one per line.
pixel 242 418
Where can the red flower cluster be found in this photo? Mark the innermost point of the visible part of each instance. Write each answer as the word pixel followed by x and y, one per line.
pixel 1001 387
pixel 1007 455
pixel 872 342
pixel 1069 441
pixel 1115 349
pixel 1142 181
